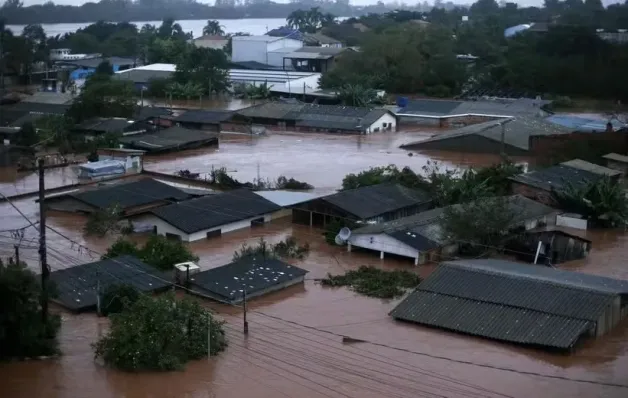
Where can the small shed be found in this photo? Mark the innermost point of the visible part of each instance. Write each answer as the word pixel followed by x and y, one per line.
pixel 250 275
pixel 371 204
pixel 101 169
pixel 557 245
pixel 133 159
pixel 617 162
pixel 78 287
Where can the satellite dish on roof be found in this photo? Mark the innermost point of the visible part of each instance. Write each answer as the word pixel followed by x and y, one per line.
pixel 339 241
pixel 344 234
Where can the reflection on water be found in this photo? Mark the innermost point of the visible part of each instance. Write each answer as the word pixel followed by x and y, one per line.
pixel 280 358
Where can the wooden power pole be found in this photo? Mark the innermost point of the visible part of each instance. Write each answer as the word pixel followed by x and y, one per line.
pixel 45 272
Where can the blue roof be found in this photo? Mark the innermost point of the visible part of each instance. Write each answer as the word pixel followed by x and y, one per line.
pixel 584 124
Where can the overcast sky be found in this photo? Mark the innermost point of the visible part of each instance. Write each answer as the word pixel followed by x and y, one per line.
pixel 355 2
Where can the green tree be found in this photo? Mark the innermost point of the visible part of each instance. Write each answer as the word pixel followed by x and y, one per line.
pixel 103 96
pixel 159 251
pixel 603 201
pixel 160 334
pixel 108 220
pixel 206 67
pixel 212 28
pixel 479 226
pixel 27 135
pixel 258 91
pixel 22 331
pixel 287 248
pixel 357 95
pixel 118 297
pixel 104 68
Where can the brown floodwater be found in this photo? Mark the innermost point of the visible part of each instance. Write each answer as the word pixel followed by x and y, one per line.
pixel 286 352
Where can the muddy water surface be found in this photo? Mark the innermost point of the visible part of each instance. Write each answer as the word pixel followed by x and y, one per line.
pixel 286 352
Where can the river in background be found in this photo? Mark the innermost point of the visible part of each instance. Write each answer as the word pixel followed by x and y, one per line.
pixel 287 353
pixel 253 26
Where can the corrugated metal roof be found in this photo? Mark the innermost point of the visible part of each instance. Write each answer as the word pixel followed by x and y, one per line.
pixel 510 301
pixel 556 177
pixel 169 139
pixel 616 157
pixel 593 168
pixel 492 321
pixel 375 200
pixel 497 107
pixel 129 194
pixel 76 286
pixel 215 210
pixel 517 132
pixel 556 276
pixel 287 198
pixel 513 290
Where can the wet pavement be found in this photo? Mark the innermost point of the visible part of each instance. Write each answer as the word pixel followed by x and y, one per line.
pixel 286 352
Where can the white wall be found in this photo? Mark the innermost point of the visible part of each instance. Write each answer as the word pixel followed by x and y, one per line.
pixel 383 243
pixel 284 43
pixel 163 227
pixel 248 50
pixel 297 85
pixel 571 222
pixel 388 119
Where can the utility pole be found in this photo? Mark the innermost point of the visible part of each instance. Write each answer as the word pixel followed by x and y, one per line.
pixel 17 254
pixel 209 337
pixel 246 323
pixel 502 141
pixel 42 244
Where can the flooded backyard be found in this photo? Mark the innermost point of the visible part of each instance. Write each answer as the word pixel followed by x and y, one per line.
pixel 294 348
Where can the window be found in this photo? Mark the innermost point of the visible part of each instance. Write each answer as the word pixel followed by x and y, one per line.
pixel 257 222
pixel 173 236
pixel 214 234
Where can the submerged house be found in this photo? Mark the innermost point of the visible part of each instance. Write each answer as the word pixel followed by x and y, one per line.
pixel 256 276
pixel 526 304
pixel 371 204
pixel 132 197
pixel 421 236
pixel 313 118
pixel 170 140
pixel 210 216
pixel 539 184
pixel 549 246
pixel 199 119
pixel 77 287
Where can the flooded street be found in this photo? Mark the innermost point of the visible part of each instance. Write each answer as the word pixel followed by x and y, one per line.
pixel 294 348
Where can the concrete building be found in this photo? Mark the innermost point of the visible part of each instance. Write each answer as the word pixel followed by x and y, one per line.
pixel 210 216
pixel 264 49
pixel 421 236
pixel 524 304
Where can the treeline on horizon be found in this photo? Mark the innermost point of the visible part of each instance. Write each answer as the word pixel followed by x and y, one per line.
pixel 13 12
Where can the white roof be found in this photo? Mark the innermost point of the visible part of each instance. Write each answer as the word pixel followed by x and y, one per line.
pixel 287 198
pixel 262 38
pixel 102 164
pixel 153 67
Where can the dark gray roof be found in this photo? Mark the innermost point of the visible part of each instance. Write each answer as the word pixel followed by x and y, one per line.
pixel 576 280
pixel 170 139
pixel 148 112
pixel 517 132
pixel 423 231
pixel 129 194
pixel 77 285
pixel 319 38
pixel 372 201
pixel 27 118
pixel 215 210
pixel 509 301
pixel 38 107
pixel 309 52
pixel 254 65
pixel 106 125
pixel 227 283
pixel 430 107
pixel 317 116
pixel 202 116
pixel 492 107
pixel 556 177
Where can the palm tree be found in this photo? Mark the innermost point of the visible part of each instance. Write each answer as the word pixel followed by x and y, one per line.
pixel 357 95
pixel 314 18
pixel 213 28
pixel 261 91
pixel 297 20
pixel 328 19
